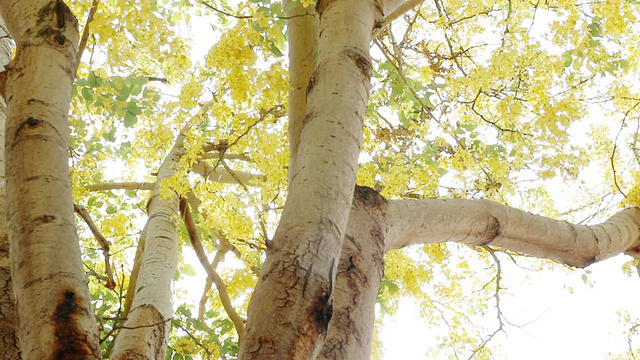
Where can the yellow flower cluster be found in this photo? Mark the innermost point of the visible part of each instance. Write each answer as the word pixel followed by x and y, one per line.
pixel 190 94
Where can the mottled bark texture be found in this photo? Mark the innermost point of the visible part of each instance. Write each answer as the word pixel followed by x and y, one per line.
pixel 56 320
pixel 146 331
pixel 302 37
pixel 358 279
pixel 292 305
pixel 8 327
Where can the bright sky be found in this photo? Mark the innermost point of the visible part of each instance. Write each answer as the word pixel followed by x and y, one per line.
pixel 558 324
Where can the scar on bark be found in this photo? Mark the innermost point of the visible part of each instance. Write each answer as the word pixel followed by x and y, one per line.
pixel 312 82
pixel 360 59
pixel 3 83
pixel 322 5
pixel 323 308
pixel 70 340
pixel 369 196
pixel 59 16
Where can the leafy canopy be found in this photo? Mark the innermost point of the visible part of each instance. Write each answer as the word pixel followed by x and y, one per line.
pixel 477 99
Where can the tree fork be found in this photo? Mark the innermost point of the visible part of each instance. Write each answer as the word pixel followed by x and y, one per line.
pixel 299 272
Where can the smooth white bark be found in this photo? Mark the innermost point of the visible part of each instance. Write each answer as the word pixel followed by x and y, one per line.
pixel 302 36
pixel 291 306
pixel 146 330
pixel 8 326
pixel 56 319
pixel 484 222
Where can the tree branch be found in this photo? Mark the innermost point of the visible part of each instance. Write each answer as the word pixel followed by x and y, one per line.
pixel 238 322
pixel 398 10
pixel 484 222
pixel 148 186
pixel 104 243
pixel 133 277
pixel 222 175
pixel 85 33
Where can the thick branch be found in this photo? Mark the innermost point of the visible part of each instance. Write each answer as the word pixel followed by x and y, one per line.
pixel 300 266
pixel 8 324
pixel 121 186
pixel 484 222
pixel 302 34
pixel 394 10
pixel 152 303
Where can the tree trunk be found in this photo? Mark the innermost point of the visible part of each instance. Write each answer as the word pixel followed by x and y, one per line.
pixel 8 326
pixel 54 309
pixel 145 333
pixel 291 307
pixel 302 37
pixel 358 280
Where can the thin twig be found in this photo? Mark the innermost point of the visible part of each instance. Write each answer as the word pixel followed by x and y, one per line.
pixel 104 243
pixel 612 159
pixel 498 279
pixel 85 32
pixel 194 338
pixel 211 7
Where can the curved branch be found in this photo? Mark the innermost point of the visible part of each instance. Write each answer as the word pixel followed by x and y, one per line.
pixel 104 243
pixel 135 271
pixel 238 322
pixel 85 33
pixel 484 222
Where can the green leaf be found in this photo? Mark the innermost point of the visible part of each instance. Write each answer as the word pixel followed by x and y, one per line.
pixel 187 269
pixel 130 119
pixel 111 209
pixel 123 93
pixel 567 60
pixel 137 84
pixel 92 80
pixel 595 28
pixel 132 107
pixel 111 135
pixel 274 49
